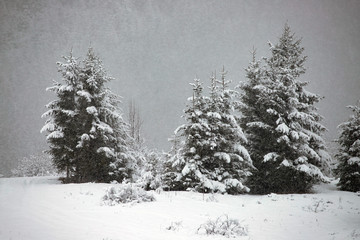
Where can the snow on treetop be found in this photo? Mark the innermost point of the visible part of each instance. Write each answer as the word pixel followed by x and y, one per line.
pixel 108 152
pixel 270 157
pixel 92 110
pixel 186 170
pixel 214 115
pixel 285 163
pixel 85 137
pixel 223 156
pixel 52 104
pixel 69 113
pixel 259 125
pixel 66 88
pixel 301 159
pixel 53 88
pixel 242 150
pixel 272 111
pixel 50 126
pixel 198 112
pixel 294 135
pixel 48 113
pixel 214 186
pixel 354 160
pixel 55 134
pixel 180 128
pixel 355 146
pixel 282 128
pixel 85 94
pixel 311 152
pixel 104 127
pixel 312 171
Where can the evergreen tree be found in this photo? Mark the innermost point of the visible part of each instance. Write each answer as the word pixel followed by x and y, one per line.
pixel 195 132
pixel 251 119
pixel 102 146
pixel 230 162
pixel 62 121
pixel 87 134
pixel 292 152
pixel 212 158
pixel 349 152
pixel 173 164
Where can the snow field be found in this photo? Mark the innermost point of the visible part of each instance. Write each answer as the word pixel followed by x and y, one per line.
pixel 42 208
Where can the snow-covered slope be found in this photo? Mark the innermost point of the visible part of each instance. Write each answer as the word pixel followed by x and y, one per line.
pixel 42 208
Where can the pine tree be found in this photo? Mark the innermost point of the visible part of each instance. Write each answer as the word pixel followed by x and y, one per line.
pixel 102 146
pixel 349 152
pixel 87 134
pixel 62 124
pixel 251 119
pixel 212 158
pixel 173 164
pixel 230 162
pixel 195 132
pixel 292 152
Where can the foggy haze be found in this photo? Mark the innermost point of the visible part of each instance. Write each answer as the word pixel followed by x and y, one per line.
pixel 153 49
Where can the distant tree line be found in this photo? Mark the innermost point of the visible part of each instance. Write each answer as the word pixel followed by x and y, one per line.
pixel 263 136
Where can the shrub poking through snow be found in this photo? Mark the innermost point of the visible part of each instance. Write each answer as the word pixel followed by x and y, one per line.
pixel 126 193
pixel 174 226
pixel 224 226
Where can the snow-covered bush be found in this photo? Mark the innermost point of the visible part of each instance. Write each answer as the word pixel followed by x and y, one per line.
pixel 126 193
pixel 224 226
pixel 149 170
pixel 35 166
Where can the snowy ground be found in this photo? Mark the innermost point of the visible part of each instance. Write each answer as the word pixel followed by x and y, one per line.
pixel 42 208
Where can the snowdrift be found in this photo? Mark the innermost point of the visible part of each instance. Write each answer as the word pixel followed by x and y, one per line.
pixel 42 208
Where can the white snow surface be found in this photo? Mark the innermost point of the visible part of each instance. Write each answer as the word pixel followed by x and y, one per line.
pixel 41 208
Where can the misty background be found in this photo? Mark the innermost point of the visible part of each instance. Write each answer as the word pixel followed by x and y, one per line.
pixel 153 49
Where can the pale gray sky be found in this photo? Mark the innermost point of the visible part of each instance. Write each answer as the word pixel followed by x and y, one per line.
pixel 155 48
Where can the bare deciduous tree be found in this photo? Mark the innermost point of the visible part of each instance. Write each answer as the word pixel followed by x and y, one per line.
pixel 135 122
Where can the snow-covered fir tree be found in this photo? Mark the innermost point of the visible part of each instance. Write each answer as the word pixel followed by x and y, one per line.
pixel 62 124
pixel 195 133
pixel 101 150
pixel 91 127
pixel 150 170
pixel 212 158
pixel 173 164
pixel 230 162
pixel 349 152
pixel 292 152
pixel 251 118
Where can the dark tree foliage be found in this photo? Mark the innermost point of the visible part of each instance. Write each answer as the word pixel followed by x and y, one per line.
pixel 281 122
pixel 349 152
pixel 86 133
pixel 212 157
